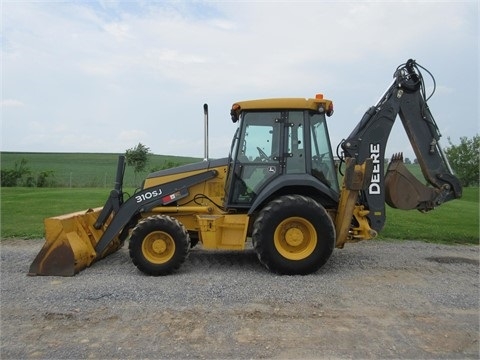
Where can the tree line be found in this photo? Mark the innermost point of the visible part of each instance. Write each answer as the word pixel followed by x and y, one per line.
pixel 21 175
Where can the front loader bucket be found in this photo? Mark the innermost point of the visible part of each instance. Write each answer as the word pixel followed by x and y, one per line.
pixel 404 191
pixel 70 244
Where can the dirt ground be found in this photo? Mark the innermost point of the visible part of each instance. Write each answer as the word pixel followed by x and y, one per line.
pixel 380 300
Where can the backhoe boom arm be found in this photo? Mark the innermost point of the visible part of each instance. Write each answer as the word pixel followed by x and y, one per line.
pixel 406 98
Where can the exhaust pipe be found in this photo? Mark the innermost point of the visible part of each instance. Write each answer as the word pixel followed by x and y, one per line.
pixel 205 131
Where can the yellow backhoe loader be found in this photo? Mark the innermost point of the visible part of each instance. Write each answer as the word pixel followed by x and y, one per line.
pixel 278 187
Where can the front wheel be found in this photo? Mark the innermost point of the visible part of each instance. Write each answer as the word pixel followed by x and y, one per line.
pixel 293 235
pixel 159 245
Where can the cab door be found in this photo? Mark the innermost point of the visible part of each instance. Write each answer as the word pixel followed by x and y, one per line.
pixel 257 157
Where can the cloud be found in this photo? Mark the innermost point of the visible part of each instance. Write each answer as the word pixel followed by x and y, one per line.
pixel 11 103
pixel 441 89
pixel 121 73
pixel 131 136
pixel 118 31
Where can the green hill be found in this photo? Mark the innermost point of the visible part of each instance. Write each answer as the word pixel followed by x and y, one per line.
pixel 86 169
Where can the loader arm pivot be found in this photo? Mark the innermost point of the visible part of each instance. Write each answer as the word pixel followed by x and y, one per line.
pixel 398 187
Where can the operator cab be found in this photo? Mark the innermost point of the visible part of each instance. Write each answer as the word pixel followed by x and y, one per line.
pixel 279 138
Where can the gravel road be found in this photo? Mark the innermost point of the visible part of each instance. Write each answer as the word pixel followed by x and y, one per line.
pixel 375 300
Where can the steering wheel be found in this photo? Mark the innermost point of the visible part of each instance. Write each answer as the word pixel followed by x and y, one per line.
pixel 263 156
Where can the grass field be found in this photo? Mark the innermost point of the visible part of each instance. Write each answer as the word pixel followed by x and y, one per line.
pixel 87 170
pixel 23 209
pixel 454 222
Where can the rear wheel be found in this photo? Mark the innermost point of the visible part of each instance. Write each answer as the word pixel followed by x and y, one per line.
pixel 159 245
pixel 293 235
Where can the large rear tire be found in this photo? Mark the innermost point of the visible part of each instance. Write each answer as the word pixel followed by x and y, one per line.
pixel 159 245
pixel 293 235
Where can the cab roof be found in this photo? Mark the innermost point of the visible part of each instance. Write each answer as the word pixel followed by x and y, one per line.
pixel 283 103
pixel 316 104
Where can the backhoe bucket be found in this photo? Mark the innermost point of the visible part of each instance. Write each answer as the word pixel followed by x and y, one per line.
pixel 70 244
pixel 404 191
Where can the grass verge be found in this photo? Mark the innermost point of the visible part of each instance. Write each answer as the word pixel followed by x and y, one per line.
pixel 455 222
pixel 23 211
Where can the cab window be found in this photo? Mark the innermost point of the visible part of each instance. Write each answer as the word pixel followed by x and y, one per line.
pixel 258 155
pixel 323 166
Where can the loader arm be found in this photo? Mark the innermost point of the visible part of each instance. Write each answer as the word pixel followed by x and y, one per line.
pixel 115 200
pixel 146 200
pixel 75 241
pixel 406 98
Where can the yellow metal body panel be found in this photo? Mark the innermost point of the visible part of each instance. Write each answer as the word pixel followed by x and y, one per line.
pixel 228 232
pixel 199 212
pixel 213 191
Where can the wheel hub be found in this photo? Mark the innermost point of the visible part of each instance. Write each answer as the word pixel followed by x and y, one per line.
pixel 159 246
pixel 294 236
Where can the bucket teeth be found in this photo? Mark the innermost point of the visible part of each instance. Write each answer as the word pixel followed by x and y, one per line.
pixel 397 157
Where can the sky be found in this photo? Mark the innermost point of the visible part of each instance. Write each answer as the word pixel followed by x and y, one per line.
pixel 103 76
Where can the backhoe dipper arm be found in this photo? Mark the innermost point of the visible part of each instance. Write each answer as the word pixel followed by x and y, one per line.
pixel 405 97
